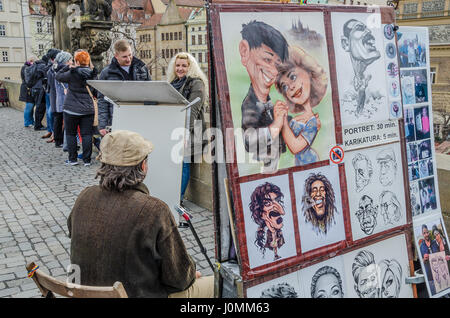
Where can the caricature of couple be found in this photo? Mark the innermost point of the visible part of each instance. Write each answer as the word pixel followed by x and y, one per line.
pixel 302 82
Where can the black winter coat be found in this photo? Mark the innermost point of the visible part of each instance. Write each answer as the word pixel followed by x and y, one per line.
pixel 78 99
pixel 25 93
pixel 113 72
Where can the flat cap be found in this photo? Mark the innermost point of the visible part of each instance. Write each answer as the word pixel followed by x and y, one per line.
pixel 124 148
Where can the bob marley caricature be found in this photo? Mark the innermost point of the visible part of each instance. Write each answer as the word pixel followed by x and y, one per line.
pixel 267 209
pixel 319 203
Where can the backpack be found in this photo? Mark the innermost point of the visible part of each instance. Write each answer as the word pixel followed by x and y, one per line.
pixel 31 77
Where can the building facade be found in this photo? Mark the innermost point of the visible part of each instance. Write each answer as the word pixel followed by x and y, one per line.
pixel 433 14
pixel 197 37
pixel 12 39
pixel 161 37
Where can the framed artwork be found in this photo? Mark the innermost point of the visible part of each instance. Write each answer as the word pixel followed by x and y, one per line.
pixel 269 221
pixel 361 76
pixel 375 189
pixel 319 207
pixel 286 93
pixel 433 250
pixel 278 76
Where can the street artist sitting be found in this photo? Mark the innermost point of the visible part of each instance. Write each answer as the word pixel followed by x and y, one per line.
pixel 121 233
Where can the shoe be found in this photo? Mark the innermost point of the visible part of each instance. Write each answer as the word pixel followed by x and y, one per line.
pixel 87 164
pixel 47 135
pixel 29 126
pixel 40 128
pixel 58 146
pixel 71 163
pixel 50 140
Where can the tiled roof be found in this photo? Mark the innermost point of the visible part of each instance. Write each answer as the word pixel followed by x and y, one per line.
pixel 124 10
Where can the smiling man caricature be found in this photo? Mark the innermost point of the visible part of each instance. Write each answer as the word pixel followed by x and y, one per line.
pixel 319 203
pixel 359 42
pixel 262 48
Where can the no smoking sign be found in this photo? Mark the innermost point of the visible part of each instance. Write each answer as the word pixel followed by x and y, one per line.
pixel 336 155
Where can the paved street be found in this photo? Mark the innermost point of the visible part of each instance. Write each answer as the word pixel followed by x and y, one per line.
pixel 37 192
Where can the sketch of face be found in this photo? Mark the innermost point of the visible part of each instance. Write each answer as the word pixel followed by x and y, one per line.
pixel 389 285
pixel 363 171
pixel 388 166
pixel 390 207
pixel 367 214
pixel 296 86
pixel 272 211
pixel 318 194
pixel 328 286
pixel 368 282
pixel 261 64
pixel 361 43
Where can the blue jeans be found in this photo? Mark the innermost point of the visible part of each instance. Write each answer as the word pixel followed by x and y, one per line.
pixel 49 115
pixel 28 114
pixel 185 176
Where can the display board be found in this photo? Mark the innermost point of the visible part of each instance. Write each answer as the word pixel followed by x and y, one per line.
pixel 429 230
pixel 316 160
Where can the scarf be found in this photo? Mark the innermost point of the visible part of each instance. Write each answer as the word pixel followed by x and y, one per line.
pixel 178 83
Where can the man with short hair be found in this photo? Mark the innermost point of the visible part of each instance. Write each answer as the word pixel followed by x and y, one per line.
pixel 124 67
pixel 121 233
pixel 366 275
pixel 262 49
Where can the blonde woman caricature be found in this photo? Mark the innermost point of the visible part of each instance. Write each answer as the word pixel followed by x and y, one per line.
pixel 303 84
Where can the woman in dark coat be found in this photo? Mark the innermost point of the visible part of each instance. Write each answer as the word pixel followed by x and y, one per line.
pixel 78 106
pixel 186 76
pixel 25 96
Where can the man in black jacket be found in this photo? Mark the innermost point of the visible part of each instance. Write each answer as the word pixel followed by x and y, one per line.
pixel 124 67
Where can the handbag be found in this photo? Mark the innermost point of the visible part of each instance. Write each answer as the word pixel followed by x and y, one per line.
pixel 94 100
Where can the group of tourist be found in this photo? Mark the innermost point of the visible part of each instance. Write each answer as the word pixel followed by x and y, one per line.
pixel 135 236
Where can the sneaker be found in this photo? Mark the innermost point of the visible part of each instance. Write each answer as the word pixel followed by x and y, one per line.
pixel 87 164
pixel 72 163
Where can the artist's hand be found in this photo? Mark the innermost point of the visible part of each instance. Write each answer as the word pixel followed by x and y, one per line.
pixel 198 274
pixel 103 132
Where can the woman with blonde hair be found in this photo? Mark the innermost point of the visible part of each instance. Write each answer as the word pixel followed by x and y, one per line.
pixel 303 84
pixel 185 75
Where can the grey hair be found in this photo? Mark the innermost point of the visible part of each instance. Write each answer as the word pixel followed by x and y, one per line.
pixel 63 57
pixel 118 178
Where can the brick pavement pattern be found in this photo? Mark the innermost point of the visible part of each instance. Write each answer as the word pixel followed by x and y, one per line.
pixel 37 192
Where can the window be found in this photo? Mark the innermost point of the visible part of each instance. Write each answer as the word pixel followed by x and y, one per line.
pixel 149 37
pixel 41 49
pixel 200 39
pixel 39 27
pixel 171 36
pixel 200 57
pixel 5 56
pixel 180 36
pixel 193 40
pixel 193 54
pixel 162 36
pixel 175 36
pixel 199 28
pixel 193 29
pixel 49 27
pixel 2 30
pixel 163 71
pixel 167 53
pixel 167 36
pixel 432 75
pixel 171 52
pixel 1 5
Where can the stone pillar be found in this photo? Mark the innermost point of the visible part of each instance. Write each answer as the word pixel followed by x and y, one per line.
pixel 86 26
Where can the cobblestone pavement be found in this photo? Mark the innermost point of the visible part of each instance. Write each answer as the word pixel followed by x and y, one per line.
pixel 37 192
